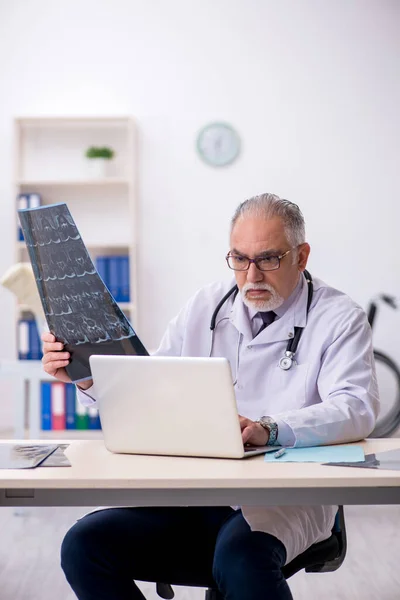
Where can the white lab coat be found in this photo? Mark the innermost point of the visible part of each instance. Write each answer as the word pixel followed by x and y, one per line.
pixel 329 396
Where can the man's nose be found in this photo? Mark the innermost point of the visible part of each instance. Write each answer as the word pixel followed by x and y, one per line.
pixel 254 275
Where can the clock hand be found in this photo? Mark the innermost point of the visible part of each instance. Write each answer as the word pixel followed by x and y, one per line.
pixel 218 143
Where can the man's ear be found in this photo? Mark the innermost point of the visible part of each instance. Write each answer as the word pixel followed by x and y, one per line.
pixel 303 254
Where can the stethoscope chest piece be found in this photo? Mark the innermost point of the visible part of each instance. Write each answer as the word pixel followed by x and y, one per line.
pixel 287 361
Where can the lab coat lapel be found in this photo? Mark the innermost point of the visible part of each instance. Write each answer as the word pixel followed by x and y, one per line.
pixel 240 319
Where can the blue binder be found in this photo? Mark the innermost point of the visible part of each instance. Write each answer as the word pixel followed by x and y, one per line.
pixel 22 203
pixel 124 278
pixel 46 405
pixel 35 345
pixel 70 400
pixel 113 277
pixel 94 419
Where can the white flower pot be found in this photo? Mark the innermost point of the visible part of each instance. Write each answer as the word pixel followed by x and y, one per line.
pixel 97 168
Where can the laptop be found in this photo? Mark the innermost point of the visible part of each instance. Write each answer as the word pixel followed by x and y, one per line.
pixel 174 406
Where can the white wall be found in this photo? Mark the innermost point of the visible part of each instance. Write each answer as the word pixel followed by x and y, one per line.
pixel 311 86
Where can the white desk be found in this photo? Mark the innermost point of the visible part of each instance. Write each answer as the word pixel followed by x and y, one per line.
pixel 98 477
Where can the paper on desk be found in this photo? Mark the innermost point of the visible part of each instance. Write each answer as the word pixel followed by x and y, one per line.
pixel 57 458
pixel 381 460
pixel 29 456
pixel 24 456
pixel 320 454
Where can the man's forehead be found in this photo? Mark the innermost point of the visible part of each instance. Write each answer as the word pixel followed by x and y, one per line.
pixel 254 230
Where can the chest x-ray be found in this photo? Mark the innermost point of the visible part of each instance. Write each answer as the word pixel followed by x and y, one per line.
pixel 79 309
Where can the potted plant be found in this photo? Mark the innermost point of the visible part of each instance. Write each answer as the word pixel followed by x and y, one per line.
pixel 98 160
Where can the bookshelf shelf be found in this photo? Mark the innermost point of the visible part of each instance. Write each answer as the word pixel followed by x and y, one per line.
pixel 72 122
pixel 108 182
pixel 50 163
pixel 73 434
pixel 94 247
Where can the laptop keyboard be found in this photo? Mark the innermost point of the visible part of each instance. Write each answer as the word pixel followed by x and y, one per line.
pixel 252 448
pixel 265 448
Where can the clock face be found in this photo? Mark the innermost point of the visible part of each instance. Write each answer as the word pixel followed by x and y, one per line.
pixel 218 144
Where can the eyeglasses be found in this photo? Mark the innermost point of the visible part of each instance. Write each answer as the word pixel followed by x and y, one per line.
pixel 265 263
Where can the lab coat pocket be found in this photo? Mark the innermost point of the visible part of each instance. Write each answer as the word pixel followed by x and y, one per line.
pixel 288 388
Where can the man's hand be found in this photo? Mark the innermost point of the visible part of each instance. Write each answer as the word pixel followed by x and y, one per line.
pixel 253 433
pixel 55 360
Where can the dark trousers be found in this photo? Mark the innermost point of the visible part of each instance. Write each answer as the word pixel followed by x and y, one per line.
pixel 103 553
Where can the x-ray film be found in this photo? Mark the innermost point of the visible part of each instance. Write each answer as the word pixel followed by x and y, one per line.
pixel 79 309
pixel 24 456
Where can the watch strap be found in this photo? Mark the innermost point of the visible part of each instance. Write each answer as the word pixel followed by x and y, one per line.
pixel 272 428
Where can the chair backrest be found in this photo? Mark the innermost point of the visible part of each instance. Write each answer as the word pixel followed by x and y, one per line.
pixel 339 531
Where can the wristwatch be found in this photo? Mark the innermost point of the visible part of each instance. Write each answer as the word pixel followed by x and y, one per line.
pixel 271 427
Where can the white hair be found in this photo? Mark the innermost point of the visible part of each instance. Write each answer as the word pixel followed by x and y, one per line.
pixel 269 206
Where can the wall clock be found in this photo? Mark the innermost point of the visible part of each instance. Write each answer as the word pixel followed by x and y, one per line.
pixel 218 144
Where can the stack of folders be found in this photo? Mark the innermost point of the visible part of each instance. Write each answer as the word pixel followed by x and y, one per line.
pixel 61 410
pixel 114 271
pixel 26 201
pixel 29 344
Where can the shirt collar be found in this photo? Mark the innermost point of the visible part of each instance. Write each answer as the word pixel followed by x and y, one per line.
pixel 294 311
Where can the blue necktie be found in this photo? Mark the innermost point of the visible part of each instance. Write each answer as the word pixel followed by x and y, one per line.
pixel 267 318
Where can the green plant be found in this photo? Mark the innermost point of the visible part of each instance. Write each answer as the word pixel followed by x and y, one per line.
pixel 98 152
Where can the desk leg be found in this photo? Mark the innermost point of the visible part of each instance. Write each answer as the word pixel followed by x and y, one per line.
pixel 34 408
pixel 19 408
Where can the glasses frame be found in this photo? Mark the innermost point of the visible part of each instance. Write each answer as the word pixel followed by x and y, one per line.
pixel 257 260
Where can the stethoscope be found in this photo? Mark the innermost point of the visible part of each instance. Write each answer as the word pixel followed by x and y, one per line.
pixel 287 361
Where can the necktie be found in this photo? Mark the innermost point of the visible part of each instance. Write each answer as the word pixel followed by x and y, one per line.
pixel 267 318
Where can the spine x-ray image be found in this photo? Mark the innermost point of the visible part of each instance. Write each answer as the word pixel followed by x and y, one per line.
pixel 79 309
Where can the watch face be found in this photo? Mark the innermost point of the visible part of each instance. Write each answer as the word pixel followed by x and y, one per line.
pixel 218 144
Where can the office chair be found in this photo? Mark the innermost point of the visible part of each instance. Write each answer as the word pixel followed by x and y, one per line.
pixel 319 558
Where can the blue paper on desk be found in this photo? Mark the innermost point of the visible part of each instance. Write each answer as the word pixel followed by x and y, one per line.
pixel 320 454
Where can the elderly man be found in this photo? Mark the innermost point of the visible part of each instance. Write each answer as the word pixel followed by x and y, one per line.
pixel 326 393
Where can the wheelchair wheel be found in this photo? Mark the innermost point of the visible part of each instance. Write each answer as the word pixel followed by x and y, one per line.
pixel 390 419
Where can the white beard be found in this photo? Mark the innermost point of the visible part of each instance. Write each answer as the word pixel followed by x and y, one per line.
pixel 273 302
